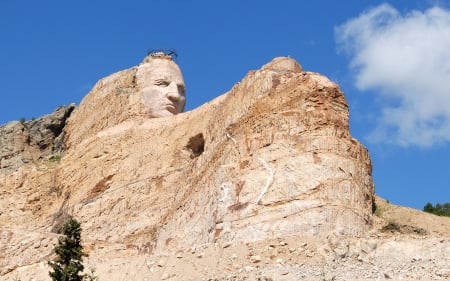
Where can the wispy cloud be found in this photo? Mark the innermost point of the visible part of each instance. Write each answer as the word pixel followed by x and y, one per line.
pixel 405 59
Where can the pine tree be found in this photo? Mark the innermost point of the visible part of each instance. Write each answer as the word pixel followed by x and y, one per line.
pixel 428 208
pixel 439 209
pixel 68 264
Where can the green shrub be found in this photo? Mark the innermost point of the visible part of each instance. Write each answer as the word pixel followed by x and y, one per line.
pixel 69 254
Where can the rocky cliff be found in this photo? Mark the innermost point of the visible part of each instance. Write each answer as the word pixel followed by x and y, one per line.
pixel 271 159
pixel 29 142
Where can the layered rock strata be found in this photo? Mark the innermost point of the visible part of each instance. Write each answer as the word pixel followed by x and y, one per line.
pixel 271 158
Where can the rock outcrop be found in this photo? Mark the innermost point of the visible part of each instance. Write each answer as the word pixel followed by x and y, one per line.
pixel 272 158
pixel 27 142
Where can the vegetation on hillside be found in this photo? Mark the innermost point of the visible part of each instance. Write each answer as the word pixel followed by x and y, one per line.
pixel 68 264
pixel 439 209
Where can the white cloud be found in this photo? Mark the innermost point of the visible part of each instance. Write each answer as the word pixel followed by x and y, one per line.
pixel 406 60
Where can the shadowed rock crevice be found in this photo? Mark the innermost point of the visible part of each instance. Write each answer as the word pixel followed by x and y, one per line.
pixel 59 220
pixel 196 145
pixel 48 131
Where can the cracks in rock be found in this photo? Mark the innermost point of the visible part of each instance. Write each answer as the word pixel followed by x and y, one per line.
pixel 230 137
pixel 248 206
pixel 269 180
pixel 264 189
pixel 109 190
pixel 240 223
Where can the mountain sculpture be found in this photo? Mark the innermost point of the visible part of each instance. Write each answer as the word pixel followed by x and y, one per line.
pixel 271 159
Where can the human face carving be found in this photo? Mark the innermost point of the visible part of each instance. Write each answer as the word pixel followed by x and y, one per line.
pixel 163 92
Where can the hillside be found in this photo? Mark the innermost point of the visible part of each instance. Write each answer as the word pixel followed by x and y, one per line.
pixel 418 251
pixel 263 183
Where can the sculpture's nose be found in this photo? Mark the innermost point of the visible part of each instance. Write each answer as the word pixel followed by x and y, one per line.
pixel 173 93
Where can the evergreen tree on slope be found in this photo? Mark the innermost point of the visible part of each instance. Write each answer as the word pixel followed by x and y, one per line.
pixel 68 264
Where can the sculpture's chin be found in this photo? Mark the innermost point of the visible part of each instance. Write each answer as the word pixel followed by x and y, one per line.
pixel 162 113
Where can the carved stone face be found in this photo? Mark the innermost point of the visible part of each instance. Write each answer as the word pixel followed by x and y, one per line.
pixel 163 92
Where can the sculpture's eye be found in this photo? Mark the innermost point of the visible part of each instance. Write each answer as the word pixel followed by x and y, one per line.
pixel 181 89
pixel 162 83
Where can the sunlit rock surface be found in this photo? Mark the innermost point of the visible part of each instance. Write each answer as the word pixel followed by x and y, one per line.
pixel 271 158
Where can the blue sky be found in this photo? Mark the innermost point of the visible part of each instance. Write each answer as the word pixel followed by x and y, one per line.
pixel 390 58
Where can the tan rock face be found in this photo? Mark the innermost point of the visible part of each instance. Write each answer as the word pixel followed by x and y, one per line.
pixel 271 158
